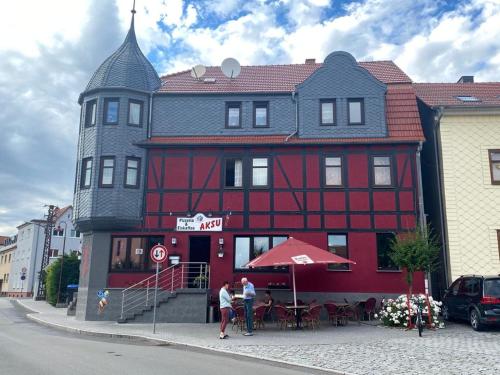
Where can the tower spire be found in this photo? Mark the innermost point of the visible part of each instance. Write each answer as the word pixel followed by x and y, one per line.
pixel 131 32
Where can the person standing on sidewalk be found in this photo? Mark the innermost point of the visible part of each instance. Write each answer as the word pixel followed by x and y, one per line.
pixel 225 307
pixel 248 296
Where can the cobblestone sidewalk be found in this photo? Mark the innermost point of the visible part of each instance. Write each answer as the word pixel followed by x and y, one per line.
pixel 353 349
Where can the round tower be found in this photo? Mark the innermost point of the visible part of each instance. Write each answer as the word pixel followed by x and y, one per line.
pixel 115 106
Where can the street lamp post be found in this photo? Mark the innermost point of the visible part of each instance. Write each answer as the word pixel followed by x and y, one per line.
pixel 62 258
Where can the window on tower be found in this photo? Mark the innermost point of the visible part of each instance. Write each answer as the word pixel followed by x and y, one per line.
pixel 90 113
pixel 86 174
pixel 135 108
pixel 107 171
pixel 132 172
pixel 111 111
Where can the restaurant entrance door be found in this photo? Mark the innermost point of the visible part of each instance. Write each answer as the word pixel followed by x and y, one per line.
pixel 199 251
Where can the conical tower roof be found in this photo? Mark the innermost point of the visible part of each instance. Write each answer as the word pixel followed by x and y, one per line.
pixel 126 67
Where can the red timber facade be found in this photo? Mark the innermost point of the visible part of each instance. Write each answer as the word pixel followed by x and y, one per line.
pixel 325 153
pixel 295 203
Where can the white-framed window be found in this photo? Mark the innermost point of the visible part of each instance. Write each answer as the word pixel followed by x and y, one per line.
pixel 260 172
pixel 382 171
pixel 333 171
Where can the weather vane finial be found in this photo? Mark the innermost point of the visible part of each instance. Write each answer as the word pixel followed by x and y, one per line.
pixel 133 8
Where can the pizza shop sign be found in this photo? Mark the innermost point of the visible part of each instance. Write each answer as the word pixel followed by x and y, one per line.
pixel 199 223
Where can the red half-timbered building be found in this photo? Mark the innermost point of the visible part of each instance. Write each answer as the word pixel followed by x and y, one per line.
pixel 326 153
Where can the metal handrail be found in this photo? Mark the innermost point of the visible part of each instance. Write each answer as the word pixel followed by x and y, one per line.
pixel 137 295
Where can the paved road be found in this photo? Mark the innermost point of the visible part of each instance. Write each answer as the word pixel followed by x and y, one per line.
pixel 28 348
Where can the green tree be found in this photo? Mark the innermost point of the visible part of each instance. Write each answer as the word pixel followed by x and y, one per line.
pixel 415 251
pixel 70 275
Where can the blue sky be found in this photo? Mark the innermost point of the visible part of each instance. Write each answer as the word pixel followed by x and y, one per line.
pixel 49 50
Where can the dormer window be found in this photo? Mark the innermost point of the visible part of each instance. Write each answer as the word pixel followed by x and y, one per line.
pixel 111 110
pixel 90 113
pixel 233 115
pixel 328 113
pixel 135 112
pixel 356 111
pixel 261 114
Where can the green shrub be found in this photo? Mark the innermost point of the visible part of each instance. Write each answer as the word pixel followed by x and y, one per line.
pixel 70 275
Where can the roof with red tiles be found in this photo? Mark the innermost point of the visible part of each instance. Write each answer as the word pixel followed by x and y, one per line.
pixel 267 78
pixel 483 94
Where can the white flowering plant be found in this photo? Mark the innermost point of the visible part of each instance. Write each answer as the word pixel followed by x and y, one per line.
pixel 397 313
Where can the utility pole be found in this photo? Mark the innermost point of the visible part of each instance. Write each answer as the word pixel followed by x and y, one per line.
pixel 45 256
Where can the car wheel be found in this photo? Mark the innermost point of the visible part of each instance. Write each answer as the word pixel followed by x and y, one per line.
pixel 446 313
pixel 474 320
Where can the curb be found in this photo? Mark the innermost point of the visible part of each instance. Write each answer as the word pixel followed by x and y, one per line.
pixel 33 317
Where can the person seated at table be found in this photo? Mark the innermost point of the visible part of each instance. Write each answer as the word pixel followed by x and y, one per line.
pixel 269 303
pixel 234 302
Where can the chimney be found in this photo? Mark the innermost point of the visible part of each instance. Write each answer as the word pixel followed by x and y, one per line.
pixel 466 79
pixel 310 61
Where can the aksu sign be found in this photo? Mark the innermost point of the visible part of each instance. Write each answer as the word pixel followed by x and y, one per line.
pixel 199 223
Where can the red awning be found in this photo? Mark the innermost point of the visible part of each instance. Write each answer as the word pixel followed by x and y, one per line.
pixel 293 251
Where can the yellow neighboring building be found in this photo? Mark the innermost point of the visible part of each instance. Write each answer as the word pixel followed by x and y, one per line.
pixel 461 174
pixel 7 248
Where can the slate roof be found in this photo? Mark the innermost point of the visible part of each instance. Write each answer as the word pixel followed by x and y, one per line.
pixel 267 78
pixel 445 94
pixel 126 67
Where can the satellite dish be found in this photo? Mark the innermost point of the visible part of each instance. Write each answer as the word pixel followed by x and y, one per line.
pixel 230 67
pixel 198 71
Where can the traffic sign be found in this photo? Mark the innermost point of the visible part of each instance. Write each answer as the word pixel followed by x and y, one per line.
pixel 159 253
pixel 23 277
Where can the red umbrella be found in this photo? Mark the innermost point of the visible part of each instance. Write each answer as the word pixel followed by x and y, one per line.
pixel 292 252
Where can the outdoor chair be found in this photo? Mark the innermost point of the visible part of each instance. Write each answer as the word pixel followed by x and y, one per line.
pixel 335 314
pixel 284 317
pixel 259 316
pixel 239 319
pixel 352 312
pixel 311 318
pixel 370 307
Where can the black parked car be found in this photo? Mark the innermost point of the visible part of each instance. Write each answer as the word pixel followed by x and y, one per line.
pixel 473 298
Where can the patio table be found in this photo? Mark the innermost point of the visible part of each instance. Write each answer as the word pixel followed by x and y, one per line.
pixel 298 313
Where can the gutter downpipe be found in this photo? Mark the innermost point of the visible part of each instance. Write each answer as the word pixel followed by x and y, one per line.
pixel 439 178
pixel 296 117
pixel 422 222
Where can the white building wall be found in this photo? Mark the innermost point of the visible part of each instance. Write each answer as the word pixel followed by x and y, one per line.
pixel 29 253
pixel 472 201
